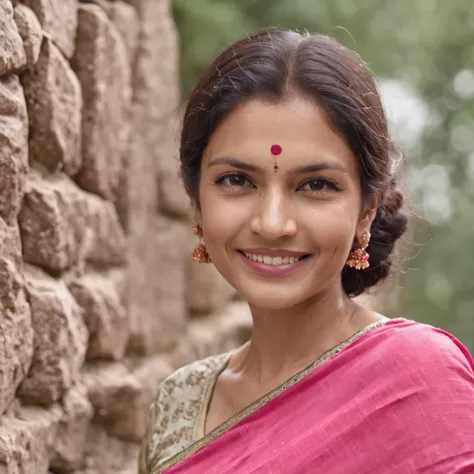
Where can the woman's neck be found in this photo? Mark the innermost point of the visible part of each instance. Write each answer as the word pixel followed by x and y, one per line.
pixel 285 341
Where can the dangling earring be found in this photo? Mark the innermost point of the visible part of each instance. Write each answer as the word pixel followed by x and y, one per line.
pixel 200 254
pixel 359 258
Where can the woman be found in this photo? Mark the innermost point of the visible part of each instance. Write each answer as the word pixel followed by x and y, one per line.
pixel 286 157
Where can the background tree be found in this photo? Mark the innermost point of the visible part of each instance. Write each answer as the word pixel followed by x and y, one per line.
pixel 423 54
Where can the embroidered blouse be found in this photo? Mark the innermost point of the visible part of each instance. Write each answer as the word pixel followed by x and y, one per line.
pixel 176 419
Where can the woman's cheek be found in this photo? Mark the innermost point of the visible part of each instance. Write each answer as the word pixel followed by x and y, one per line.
pixel 335 229
pixel 221 222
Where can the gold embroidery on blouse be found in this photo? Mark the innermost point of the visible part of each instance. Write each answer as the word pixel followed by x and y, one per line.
pixel 221 429
pixel 199 425
pixel 174 414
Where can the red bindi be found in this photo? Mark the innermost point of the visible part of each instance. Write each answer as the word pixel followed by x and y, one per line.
pixel 276 150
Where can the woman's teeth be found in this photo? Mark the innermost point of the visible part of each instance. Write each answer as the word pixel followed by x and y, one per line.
pixel 267 260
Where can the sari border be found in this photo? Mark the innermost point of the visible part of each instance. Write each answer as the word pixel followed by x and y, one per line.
pixel 260 402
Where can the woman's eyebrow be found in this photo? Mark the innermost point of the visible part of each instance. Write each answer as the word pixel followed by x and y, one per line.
pixel 234 163
pixel 319 167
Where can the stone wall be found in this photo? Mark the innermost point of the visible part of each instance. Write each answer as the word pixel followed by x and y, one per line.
pixel 99 298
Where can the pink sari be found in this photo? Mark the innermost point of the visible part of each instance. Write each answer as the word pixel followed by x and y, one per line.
pixel 398 399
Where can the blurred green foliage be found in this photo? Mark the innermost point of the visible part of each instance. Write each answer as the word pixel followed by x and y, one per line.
pixel 426 47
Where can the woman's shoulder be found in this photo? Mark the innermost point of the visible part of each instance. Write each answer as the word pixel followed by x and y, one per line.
pixel 420 346
pixel 423 392
pixel 174 415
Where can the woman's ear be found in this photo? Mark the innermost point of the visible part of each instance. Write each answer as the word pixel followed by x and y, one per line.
pixel 368 214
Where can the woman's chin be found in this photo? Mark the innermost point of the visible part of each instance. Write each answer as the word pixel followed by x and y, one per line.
pixel 284 296
pixel 271 301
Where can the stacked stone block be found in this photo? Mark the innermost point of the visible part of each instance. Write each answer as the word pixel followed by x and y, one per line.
pixel 99 300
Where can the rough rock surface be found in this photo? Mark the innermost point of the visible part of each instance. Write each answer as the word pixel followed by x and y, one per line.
pixel 27 440
pixel 15 317
pixel 12 53
pixel 108 455
pixel 121 394
pixel 126 20
pixel 98 294
pixel 53 96
pixel 156 75
pixel 72 430
pixel 30 31
pixel 101 66
pixel 13 146
pixel 217 333
pixel 62 225
pixel 53 222
pixel 59 19
pixel 60 341
pixel 108 245
pixel 156 291
pixel 173 200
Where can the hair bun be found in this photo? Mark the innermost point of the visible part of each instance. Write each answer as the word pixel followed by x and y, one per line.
pixel 389 225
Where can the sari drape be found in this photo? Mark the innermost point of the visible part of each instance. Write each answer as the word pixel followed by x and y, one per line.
pixel 398 399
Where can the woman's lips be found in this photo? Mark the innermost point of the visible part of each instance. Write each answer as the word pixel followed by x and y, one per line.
pixel 274 270
pixel 273 252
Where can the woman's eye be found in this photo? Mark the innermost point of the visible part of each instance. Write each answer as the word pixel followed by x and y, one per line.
pixel 319 185
pixel 234 180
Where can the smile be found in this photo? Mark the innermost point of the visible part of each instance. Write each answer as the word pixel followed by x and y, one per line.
pixel 270 260
pixel 273 262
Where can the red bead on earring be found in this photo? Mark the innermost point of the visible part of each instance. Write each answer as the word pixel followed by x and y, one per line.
pixel 359 258
pixel 200 254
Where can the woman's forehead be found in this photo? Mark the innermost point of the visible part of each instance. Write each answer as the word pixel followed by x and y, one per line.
pixel 297 128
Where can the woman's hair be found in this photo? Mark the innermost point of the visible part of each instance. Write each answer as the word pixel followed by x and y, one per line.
pixel 273 65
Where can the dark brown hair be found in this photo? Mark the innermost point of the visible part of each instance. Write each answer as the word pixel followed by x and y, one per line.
pixel 275 64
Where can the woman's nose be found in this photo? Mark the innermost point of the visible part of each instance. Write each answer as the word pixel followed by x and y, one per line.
pixel 272 218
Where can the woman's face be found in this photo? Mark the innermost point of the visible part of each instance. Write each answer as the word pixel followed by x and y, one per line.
pixel 281 237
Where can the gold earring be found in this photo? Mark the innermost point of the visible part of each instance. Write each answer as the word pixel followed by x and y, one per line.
pixel 359 258
pixel 200 254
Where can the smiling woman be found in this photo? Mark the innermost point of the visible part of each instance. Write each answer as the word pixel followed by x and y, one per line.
pixel 286 157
